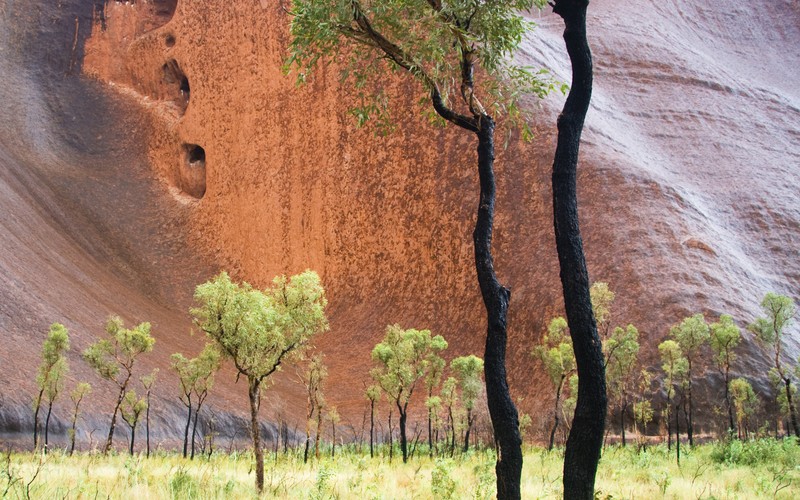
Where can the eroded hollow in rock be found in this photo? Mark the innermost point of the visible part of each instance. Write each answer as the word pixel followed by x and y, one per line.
pixel 177 83
pixel 169 41
pixel 193 171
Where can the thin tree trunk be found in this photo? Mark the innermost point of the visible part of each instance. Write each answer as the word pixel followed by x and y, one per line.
pixel 255 432
pixel 47 425
pixel 452 431
pixel 194 430
pixel 333 441
pixel 689 420
pixel 585 439
pixel 622 422
pixel 186 431
pixel 430 433
pixel 371 428
pixel 391 438
pixel 669 425
pixel 110 439
pixel 147 424
pixel 678 434
pixel 316 434
pixel 403 438
pixel 36 422
pixel 792 412
pixel 308 442
pixel 133 437
pixel 469 427
pixel 555 414
pixel 73 431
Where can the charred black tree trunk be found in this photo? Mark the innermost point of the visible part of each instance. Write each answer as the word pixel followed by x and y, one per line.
pixel 430 432
pixel 403 438
pixel 622 421
pixel 505 420
pixel 194 431
pixel 585 439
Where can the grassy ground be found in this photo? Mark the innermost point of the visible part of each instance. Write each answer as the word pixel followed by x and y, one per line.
pixel 763 469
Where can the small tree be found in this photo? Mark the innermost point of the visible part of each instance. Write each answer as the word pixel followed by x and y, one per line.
pixel 373 394
pixel 643 409
pixel 691 334
pixel 622 355
pixel 449 397
pixel 675 367
pixel 778 311
pixel 468 370
pixel 558 358
pixel 258 331
pixel 570 401
pixel 77 395
pixel 314 380
pixel 725 336
pixel 433 378
pixel 132 408
pixel 403 359
pixel 434 405
pixel 113 359
pixel 148 381
pixel 50 377
pixel 745 402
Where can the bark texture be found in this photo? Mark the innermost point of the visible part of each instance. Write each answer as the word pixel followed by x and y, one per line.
pixel 586 434
pixel 505 420
pixel 255 432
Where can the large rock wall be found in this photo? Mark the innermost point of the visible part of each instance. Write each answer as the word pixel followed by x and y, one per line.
pixel 685 184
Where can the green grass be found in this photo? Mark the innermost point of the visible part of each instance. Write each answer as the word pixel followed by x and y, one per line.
pixel 760 469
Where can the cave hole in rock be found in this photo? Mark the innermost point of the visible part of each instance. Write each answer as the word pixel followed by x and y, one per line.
pixel 193 171
pixel 169 41
pixel 196 155
pixel 177 82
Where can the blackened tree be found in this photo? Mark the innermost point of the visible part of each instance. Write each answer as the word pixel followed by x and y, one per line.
pixel 585 439
pixel 450 47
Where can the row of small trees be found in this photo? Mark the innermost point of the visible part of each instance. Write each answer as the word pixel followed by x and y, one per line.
pixel 630 386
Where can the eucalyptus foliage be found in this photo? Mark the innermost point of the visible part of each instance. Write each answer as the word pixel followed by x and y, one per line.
pixel 428 39
pixel 113 358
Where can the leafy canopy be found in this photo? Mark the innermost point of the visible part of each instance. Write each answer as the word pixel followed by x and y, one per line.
pixel 119 351
pixel 53 368
pixel 403 358
pixel 431 39
pixel 778 311
pixel 691 334
pixel 257 329
pixel 725 336
pixel 468 370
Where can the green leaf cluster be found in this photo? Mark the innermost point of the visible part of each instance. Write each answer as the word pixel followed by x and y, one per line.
pixel 119 350
pixel 426 38
pixel 403 358
pixel 468 371
pixel 53 368
pixel 555 351
pixel 257 329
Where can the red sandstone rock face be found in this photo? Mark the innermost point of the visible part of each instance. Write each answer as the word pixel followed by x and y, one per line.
pixel 686 182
